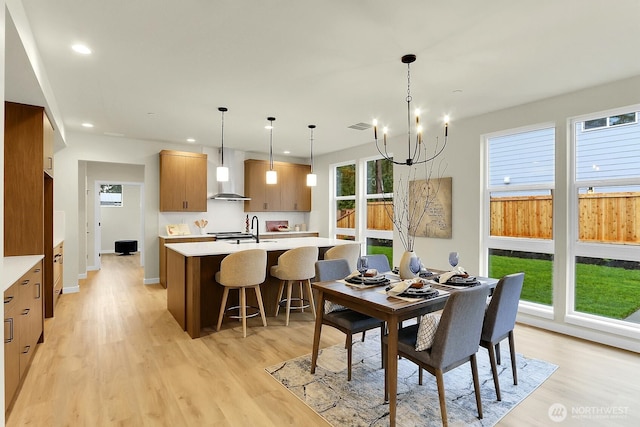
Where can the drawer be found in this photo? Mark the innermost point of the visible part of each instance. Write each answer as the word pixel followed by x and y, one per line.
pixel 11 297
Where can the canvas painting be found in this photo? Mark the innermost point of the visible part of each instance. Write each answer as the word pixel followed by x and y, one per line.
pixel 436 195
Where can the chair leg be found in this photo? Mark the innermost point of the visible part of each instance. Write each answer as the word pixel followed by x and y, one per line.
pixel 498 353
pixel 476 384
pixel 384 365
pixel 301 306
pixel 512 348
pixel 363 334
pixel 419 375
pixel 494 370
pixel 243 310
pixel 223 306
pixel 349 356
pixel 289 286
pixel 280 291
pixel 441 397
pixel 382 343
pixel 311 301
pixel 260 304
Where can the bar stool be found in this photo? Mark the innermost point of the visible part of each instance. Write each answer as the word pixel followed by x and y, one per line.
pixel 349 251
pixel 242 270
pixel 296 265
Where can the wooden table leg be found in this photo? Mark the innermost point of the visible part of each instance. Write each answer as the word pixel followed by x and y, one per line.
pixel 317 330
pixel 392 368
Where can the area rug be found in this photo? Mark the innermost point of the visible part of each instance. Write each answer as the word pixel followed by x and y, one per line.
pixel 360 402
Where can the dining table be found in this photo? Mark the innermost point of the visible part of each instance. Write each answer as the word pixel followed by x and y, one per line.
pixel 374 301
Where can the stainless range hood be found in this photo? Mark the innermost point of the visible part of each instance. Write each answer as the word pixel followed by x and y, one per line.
pixel 226 190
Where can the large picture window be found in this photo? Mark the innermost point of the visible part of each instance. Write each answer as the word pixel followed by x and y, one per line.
pixel 606 213
pixel 519 196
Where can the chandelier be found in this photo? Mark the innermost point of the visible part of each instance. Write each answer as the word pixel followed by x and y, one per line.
pixel 272 175
pixel 312 178
pixel 414 150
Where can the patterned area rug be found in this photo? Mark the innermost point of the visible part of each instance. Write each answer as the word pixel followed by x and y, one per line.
pixel 360 402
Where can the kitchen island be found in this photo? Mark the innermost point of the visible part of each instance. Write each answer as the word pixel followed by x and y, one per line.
pixel 193 295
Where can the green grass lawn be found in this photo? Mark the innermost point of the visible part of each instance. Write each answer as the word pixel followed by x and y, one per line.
pixel 600 290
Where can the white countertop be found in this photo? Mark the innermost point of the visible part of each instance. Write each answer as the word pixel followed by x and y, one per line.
pixel 188 236
pixel 223 247
pixel 14 267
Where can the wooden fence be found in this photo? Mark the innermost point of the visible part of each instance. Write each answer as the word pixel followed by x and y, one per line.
pixel 604 217
pixel 377 217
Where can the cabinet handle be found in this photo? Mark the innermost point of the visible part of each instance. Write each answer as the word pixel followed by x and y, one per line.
pixel 26 311
pixel 10 322
pixel 39 285
pixel 295 206
pixel 50 162
pixel 37 270
pixel 8 299
pixel 25 282
pixel 264 206
pixel 26 349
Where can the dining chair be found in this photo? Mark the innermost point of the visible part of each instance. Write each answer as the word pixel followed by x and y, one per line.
pixel 348 251
pixel 242 270
pixel 346 320
pixel 379 262
pixel 499 322
pixel 296 266
pixel 455 342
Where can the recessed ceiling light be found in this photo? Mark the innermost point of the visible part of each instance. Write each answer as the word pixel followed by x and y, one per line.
pixel 287 152
pixel 191 140
pixel 87 125
pixel 81 49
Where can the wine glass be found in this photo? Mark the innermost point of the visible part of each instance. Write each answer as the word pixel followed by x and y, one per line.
pixel 363 265
pixel 453 259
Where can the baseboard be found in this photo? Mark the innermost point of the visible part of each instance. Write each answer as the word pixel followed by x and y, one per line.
pixel 82 276
pixel 91 268
pixel 108 252
pixel 151 281
pixel 71 289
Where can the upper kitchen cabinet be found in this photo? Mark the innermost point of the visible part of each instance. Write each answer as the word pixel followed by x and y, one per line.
pixel 290 194
pixel 47 155
pixel 183 181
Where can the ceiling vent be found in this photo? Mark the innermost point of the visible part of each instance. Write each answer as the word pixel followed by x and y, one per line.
pixel 360 126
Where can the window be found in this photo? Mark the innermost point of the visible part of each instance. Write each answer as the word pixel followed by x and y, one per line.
pixel 603 122
pixel 379 198
pixel 519 196
pixel 345 201
pixel 111 195
pixel 606 216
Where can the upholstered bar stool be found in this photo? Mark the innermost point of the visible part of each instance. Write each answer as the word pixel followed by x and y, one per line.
pixel 242 270
pixel 296 266
pixel 348 251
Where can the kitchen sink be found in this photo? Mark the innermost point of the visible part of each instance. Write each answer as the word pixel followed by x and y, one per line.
pixel 236 242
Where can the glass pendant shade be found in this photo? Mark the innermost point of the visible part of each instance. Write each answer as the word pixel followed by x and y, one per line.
pixel 222 174
pixel 272 177
pixel 312 180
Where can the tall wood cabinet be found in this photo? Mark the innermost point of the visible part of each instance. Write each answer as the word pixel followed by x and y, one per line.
pixel 290 194
pixel 183 181
pixel 28 188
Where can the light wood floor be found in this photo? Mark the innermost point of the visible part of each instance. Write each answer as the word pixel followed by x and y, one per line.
pixel 113 355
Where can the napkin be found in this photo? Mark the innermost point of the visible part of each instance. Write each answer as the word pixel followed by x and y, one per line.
pixel 402 286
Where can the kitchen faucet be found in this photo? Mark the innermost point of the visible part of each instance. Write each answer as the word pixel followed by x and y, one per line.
pixel 257 235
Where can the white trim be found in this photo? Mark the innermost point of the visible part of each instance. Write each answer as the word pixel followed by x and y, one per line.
pixel 70 289
pixel 151 281
pixel 82 276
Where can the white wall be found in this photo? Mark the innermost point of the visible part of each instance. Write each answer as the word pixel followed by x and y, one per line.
pixel 465 165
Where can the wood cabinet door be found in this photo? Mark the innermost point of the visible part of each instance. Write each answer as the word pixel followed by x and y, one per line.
pixel 295 194
pixel 195 182
pixel 172 177
pixel 48 145
pixel 11 356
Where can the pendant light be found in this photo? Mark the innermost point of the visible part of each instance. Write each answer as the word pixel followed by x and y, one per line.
pixel 312 178
pixel 272 175
pixel 222 172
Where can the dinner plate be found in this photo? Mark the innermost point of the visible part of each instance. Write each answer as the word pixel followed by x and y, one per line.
pixel 378 280
pixel 426 293
pixel 462 281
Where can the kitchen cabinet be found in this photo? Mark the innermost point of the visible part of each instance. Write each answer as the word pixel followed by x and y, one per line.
pixel 290 194
pixel 183 181
pixel 163 251
pixel 28 187
pixel 23 327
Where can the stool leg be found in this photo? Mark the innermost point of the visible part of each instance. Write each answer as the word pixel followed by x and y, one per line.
pixel 225 295
pixel 289 286
pixel 311 302
pixel 301 306
pixel 243 311
pixel 259 298
pixel 280 291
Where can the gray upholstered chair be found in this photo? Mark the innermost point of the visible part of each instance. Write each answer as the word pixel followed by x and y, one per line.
pixel 242 270
pixel 348 321
pixel 379 262
pixel 348 251
pixel 499 321
pixel 296 266
pixel 455 342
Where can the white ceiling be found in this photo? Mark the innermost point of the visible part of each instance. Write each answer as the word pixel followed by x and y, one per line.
pixel 161 68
